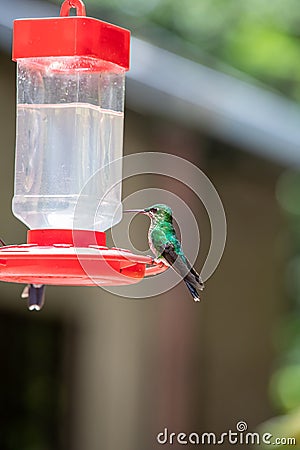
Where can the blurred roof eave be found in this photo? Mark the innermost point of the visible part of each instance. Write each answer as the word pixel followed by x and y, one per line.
pixel 168 85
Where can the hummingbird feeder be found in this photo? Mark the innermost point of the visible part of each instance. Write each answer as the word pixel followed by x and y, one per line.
pixel 70 103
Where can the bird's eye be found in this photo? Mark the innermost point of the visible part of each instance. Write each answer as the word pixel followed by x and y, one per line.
pixel 154 210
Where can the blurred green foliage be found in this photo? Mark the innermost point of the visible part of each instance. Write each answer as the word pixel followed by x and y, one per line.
pixel 257 37
pixel 285 387
pixel 282 427
pixel 285 381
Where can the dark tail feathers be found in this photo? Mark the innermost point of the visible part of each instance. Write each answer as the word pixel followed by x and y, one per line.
pixel 193 291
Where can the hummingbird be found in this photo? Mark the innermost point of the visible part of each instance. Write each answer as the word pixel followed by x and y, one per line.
pixel 35 293
pixel 166 247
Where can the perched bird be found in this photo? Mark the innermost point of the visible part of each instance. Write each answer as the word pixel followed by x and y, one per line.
pixel 35 293
pixel 166 247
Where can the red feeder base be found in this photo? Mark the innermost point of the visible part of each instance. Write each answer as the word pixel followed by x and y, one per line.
pixel 72 258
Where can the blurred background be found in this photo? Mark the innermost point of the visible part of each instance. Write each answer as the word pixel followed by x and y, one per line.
pixel 217 83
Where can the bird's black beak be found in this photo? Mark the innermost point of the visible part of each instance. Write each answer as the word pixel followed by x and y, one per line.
pixel 138 211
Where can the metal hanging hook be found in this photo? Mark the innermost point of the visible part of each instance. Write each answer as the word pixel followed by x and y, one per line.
pixel 69 4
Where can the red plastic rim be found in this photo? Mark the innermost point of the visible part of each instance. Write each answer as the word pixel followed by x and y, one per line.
pixel 50 257
pixel 80 36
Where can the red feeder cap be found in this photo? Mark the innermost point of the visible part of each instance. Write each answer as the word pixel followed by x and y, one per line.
pixel 79 238
pixel 71 36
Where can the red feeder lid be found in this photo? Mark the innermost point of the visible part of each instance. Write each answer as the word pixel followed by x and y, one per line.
pixel 71 36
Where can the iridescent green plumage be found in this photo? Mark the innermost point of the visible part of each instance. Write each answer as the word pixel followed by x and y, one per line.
pixel 161 230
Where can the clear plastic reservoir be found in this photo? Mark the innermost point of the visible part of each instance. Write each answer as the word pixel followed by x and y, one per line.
pixel 69 126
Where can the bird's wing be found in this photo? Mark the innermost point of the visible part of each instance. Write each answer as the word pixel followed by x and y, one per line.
pixel 173 254
pixel 178 264
pixel 194 272
pixel 182 267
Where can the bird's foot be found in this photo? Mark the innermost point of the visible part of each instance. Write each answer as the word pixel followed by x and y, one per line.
pixel 157 261
pixel 196 299
pixel 152 259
